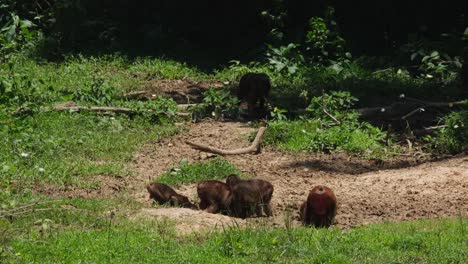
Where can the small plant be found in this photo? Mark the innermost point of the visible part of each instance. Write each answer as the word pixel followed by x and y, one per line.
pixel 217 103
pixel 278 114
pixel 215 169
pixel 99 92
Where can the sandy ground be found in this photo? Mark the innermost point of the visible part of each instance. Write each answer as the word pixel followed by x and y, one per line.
pixel 367 191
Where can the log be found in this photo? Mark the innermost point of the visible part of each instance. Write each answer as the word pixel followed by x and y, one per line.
pixel 73 107
pixel 254 147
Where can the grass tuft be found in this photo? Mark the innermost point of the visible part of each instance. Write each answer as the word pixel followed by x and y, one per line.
pixel 214 169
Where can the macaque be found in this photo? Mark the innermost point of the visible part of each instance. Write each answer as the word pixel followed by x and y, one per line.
pixel 215 196
pixel 162 194
pixel 253 88
pixel 320 207
pixel 249 195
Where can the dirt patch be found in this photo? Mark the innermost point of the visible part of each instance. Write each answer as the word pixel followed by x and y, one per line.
pixel 187 220
pixel 98 186
pixel 368 191
pixel 182 91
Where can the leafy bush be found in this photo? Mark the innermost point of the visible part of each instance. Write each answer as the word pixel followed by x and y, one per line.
pixel 454 137
pixel 214 169
pixel 439 60
pixel 17 35
pixel 19 90
pixel 337 103
pixel 217 103
pixel 318 132
pixel 285 59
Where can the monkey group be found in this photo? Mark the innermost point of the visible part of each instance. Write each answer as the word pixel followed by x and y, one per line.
pixel 244 198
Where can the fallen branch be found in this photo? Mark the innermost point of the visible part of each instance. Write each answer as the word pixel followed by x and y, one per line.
pixel 427 130
pixel 72 107
pixel 255 147
pixel 134 94
pixel 419 110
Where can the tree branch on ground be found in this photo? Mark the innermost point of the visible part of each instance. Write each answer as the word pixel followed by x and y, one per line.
pixel 254 147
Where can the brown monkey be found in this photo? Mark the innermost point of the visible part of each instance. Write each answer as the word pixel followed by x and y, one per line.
pixel 215 196
pixel 320 207
pixel 162 194
pixel 249 195
pixel 254 87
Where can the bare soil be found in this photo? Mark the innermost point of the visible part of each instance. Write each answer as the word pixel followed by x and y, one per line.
pixel 368 191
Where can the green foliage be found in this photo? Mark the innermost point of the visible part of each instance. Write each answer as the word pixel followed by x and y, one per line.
pixel 217 103
pixel 98 93
pixel 17 35
pixel 439 60
pixel 323 41
pixel 285 59
pixel 319 132
pixel 159 111
pixel 278 114
pixel 185 173
pixel 428 241
pixel 19 90
pixel 454 137
pixel 336 103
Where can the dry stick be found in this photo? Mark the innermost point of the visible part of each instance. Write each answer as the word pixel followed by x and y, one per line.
pixel 324 108
pixel 255 147
pixel 420 109
pixel 134 93
pixel 122 110
pixel 37 210
pixel 428 103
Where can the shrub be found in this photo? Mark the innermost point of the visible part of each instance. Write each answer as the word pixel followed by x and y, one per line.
pixel 454 137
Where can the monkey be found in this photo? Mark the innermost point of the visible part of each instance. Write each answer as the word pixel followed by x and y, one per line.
pixel 254 87
pixel 162 194
pixel 320 207
pixel 248 195
pixel 215 196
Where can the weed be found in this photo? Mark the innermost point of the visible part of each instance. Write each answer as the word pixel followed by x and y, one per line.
pixel 217 103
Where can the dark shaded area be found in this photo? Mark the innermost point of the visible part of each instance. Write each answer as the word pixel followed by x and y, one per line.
pixel 213 32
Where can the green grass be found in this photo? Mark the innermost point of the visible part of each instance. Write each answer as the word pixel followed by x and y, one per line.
pixel 312 136
pixel 213 169
pixel 120 73
pixel 64 147
pixel 428 241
